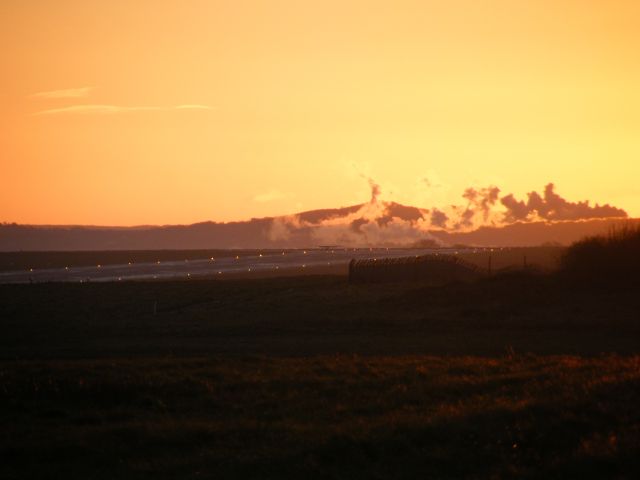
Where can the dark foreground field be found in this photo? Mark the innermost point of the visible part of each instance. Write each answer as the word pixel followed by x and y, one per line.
pixel 517 376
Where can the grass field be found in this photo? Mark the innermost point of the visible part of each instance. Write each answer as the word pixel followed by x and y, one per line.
pixel 322 417
pixel 516 376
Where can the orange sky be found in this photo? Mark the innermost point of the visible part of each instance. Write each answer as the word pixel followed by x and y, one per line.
pixel 156 112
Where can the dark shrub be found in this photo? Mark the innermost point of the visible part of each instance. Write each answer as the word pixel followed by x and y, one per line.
pixel 611 258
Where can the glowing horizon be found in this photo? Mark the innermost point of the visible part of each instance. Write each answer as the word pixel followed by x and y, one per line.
pixel 140 114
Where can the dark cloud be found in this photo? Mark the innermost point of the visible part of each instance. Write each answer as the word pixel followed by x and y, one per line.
pixel 517 210
pixel 481 200
pixel 357 224
pixel 375 190
pixel 402 212
pixel 438 218
pixel 551 206
pixel 478 201
pixel 466 218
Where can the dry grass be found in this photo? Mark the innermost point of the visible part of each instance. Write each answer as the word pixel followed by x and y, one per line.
pixel 313 378
pixel 605 259
pixel 322 417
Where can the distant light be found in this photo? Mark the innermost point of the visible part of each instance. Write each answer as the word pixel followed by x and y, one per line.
pixel 303 265
pixel 237 257
pixel 188 274
pixel 66 268
pixel 305 252
pixel 249 270
pixel 277 267
pixel 31 269
pixel 212 259
pixel 119 278
pixel 260 254
pixel 283 253
pixel 158 262
pixel 99 266
pixel 129 263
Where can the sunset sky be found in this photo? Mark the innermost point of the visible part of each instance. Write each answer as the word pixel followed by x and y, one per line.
pixel 158 112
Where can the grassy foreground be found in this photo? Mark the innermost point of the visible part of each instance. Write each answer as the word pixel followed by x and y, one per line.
pixel 322 417
pixel 315 315
pixel 516 376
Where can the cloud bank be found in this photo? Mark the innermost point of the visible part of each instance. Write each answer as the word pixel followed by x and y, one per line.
pixel 551 206
pixel 380 222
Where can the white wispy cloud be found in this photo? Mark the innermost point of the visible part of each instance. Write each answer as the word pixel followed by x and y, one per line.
pixel 81 92
pixel 98 109
pixel 192 106
pixel 270 196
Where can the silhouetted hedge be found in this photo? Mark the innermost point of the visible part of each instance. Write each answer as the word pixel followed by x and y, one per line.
pixel 611 258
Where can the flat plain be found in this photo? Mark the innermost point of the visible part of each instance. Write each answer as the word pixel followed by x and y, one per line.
pixel 520 375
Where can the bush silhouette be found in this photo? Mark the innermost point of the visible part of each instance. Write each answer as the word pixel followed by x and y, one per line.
pixel 611 258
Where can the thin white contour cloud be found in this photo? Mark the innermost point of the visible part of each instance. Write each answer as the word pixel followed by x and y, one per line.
pixel 270 196
pixel 81 92
pixel 113 109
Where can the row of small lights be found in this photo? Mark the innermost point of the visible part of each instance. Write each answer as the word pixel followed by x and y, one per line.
pixel 186 261
pixel 275 267
pixel 260 255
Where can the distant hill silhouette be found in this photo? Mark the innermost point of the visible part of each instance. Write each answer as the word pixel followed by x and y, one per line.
pixel 531 234
pixel 297 231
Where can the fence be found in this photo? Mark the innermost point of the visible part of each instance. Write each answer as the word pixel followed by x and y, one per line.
pixel 433 268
